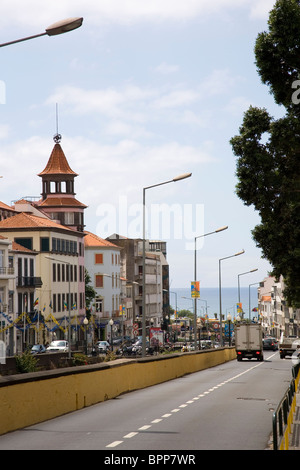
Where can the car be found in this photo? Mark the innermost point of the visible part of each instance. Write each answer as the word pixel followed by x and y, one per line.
pixel 58 346
pixel 270 343
pixel 38 349
pixel 103 346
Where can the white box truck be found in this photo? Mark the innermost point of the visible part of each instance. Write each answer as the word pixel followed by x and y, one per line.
pixel 248 341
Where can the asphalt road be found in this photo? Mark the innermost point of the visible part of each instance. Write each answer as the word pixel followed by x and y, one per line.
pixel 228 407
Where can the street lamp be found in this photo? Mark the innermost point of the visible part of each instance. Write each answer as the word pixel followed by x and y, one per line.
pixel 85 322
pixel 247 272
pixel 111 322
pixel 220 289
pixel 254 283
pixel 229 320
pixel 195 278
pixel 59 27
pixel 174 180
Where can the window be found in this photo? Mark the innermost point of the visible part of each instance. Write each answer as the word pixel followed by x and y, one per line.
pixel 99 280
pixel 69 218
pixel 54 272
pixel 27 242
pixel 98 258
pixel 45 245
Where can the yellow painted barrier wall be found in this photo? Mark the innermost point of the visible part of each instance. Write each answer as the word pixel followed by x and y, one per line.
pixel 31 398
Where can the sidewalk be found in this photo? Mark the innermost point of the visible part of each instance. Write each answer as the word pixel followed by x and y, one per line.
pixel 294 438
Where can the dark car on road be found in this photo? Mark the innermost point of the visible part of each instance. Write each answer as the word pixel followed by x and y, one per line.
pixel 270 343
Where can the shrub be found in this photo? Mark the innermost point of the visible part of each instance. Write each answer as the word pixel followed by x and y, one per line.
pixel 26 362
pixel 79 359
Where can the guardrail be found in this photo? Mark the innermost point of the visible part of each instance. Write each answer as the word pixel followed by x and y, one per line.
pixel 283 416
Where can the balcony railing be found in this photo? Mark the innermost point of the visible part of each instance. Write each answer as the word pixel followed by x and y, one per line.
pixel 7 271
pixel 29 281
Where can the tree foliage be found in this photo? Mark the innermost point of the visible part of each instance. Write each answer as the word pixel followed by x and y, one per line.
pixel 90 292
pixel 268 150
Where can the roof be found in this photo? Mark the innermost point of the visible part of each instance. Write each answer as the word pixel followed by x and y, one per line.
pixel 27 221
pixel 6 207
pixel 93 241
pixel 61 202
pixel 17 247
pixel 57 163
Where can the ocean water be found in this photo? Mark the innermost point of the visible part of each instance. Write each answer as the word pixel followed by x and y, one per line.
pixel 211 295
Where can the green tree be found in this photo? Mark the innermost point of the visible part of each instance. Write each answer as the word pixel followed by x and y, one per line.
pixel 268 150
pixel 90 292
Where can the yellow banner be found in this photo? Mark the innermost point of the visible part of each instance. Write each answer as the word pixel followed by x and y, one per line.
pixel 195 289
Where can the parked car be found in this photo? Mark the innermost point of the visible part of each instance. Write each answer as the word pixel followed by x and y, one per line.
pixel 58 346
pixel 38 349
pixel 270 343
pixel 102 346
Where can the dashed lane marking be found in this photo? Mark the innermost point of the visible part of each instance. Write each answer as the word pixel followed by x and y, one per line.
pixel 184 405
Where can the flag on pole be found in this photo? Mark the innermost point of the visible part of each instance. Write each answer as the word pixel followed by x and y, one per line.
pixel 36 302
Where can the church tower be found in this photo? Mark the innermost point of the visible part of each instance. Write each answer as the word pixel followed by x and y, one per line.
pixel 58 196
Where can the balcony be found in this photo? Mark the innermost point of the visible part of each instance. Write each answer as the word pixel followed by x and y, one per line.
pixel 29 281
pixel 6 273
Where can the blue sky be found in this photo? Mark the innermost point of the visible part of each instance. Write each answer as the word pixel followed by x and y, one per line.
pixel 145 91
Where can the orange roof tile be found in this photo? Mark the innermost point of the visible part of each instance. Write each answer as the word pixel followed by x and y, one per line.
pixel 92 240
pixel 57 163
pixel 17 247
pixel 6 207
pixel 61 201
pixel 24 220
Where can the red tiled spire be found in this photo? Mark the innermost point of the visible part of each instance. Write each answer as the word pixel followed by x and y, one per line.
pixel 57 163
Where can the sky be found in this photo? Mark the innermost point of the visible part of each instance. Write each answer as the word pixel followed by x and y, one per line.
pixel 142 92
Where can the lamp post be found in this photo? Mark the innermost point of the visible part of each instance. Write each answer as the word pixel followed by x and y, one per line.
pixel 85 322
pixel 174 180
pixel 254 283
pixel 195 278
pixel 229 334
pixel 242 274
pixel 220 289
pixel 59 27
pixel 111 322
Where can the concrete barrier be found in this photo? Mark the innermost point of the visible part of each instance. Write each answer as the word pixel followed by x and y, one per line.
pixel 27 399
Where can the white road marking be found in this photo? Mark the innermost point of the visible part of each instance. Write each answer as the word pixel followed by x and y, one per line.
pixel 130 435
pixel 175 410
pixel 114 444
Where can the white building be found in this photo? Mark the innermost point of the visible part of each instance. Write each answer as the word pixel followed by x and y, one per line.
pixel 276 316
pixel 102 261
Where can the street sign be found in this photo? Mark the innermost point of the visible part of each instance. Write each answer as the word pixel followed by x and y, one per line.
pixel 135 329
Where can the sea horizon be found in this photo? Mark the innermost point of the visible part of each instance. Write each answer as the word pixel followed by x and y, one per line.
pixel 209 298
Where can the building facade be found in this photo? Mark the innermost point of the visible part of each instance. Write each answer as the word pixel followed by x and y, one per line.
pixel 102 261
pixel 276 316
pixel 156 282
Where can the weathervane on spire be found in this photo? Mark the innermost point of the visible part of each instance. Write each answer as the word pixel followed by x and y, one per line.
pixel 57 137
